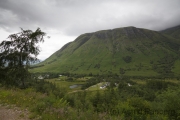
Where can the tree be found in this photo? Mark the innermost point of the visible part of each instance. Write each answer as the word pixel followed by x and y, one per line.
pixel 17 53
pixel 121 71
pixel 127 59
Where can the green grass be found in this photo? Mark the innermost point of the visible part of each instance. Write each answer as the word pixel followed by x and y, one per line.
pixel 66 84
pixel 142 82
pixel 18 97
pixel 173 81
pixel 174 32
pixel 149 73
pixel 176 68
pixel 138 81
pixel 49 107
pixel 38 104
pixel 83 79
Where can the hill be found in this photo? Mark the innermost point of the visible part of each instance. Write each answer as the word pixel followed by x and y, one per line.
pixel 174 32
pixel 135 51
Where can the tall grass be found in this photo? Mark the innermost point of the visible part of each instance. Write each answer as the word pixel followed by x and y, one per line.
pixel 36 100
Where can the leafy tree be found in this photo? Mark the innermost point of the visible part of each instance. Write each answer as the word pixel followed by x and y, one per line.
pixel 170 102
pixel 121 71
pixel 156 84
pixel 164 65
pixel 122 85
pixel 17 53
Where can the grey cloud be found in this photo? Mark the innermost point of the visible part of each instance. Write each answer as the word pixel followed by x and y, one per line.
pixel 70 18
pixel 74 17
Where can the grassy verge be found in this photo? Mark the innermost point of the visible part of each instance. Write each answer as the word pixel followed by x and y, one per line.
pixel 45 107
pixel 37 103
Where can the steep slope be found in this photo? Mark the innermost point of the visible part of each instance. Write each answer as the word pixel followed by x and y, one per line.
pixel 140 52
pixel 175 33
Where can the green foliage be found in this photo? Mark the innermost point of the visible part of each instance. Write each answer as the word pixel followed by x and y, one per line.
pixel 157 84
pixel 18 53
pixel 146 100
pixel 171 101
pixel 38 104
pixel 48 88
pixel 130 49
pixel 121 71
pixel 164 65
pixel 90 82
pixel 100 55
pixel 69 79
pixel 127 59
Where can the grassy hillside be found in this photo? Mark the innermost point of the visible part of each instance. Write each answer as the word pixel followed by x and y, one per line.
pixel 138 52
pixel 174 32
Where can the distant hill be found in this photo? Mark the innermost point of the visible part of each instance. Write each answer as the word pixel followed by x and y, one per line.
pixel 174 32
pixel 137 51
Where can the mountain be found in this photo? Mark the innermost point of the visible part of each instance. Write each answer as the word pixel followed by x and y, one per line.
pixel 137 51
pixel 174 32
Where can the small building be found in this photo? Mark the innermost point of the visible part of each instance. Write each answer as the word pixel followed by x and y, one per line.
pixel 105 85
pixel 40 77
pixel 129 84
pixel 102 87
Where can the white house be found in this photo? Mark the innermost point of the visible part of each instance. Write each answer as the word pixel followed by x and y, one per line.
pixel 40 77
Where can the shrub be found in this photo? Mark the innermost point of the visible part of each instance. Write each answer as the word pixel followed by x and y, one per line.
pixel 127 59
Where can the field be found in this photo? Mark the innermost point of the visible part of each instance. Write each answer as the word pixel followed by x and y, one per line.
pixel 66 84
pixel 62 82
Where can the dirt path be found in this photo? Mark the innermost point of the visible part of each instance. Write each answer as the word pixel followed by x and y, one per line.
pixel 13 113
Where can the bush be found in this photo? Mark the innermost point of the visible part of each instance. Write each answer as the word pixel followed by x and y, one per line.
pixel 127 59
pixel 156 84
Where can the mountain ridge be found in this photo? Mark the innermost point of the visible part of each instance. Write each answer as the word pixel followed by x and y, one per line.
pixel 106 51
pixel 173 31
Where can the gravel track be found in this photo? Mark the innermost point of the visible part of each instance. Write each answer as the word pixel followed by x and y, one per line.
pixel 13 113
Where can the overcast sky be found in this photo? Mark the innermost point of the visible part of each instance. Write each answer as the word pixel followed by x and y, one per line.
pixel 64 20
